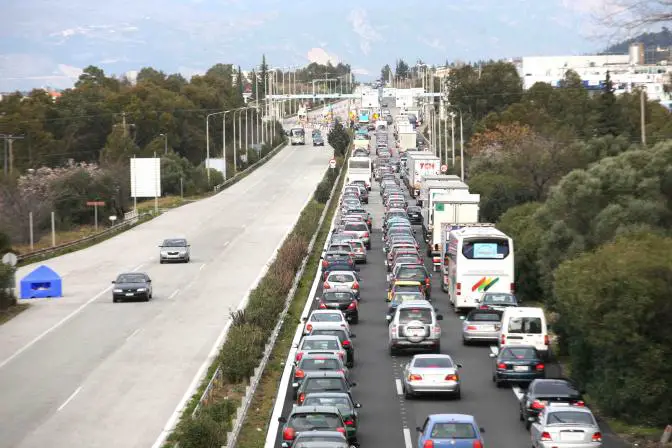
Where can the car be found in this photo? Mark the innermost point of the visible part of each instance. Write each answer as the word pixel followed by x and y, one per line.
pixel 431 374
pixel 565 426
pixel 338 256
pixel 414 214
pixel 318 140
pixel 358 249
pixel 362 231
pixel 400 297
pixel 316 362
pixel 345 404
pixel 414 272
pixel 344 336
pixel 481 326
pixel 309 418
pixel 454 430
pixel 324 316
pixel 174 249
pixel 415 326
pixel 519 364
pixel 404 286
pixel 541 392
pixel 342 280
pixel 320 439
pixel 316 382
pixel 344 300
pixel 497 301
pixel 319 344
pixel 132 285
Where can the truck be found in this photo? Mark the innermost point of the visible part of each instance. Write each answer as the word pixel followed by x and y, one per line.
pixel 364 116
pixel 418 164
pixel 407 140
pixel 451 208
pixel 432 181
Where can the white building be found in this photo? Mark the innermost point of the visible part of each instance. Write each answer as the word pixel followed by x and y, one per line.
pixel 627 71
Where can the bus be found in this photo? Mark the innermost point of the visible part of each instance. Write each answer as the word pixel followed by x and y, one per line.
pixel 359 168
pixel 364 116
pixel 477 258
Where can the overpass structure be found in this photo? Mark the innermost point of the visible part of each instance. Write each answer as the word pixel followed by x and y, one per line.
pixel 354 96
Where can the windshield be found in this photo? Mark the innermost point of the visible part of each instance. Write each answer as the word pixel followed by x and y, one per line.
pixel 484 317
pixel 326 317
pixel 314 420
pixel 319 344
pixel 406 296
pixel 499 299
pixel 357 227
pixel 298 132
pixel 571 417
pixel 131 278
pixel 342 403
pixel 442 362
pixel 408 315
pixel 315 364
pixel 519 353
pixel 525 325
pixel 336 297
pixel 175 243
pixel 324 384
pixel 486 249
pixel 453 431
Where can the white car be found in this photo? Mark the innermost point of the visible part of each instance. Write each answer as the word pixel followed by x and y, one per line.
pixel 326 316
pixel 342 280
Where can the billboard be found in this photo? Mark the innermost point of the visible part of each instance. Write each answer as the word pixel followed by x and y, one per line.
pixel 145 177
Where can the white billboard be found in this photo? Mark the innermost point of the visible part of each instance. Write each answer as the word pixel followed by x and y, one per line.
pixel 216 164
pixel 145 177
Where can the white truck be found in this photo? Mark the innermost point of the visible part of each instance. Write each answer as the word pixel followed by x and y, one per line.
pixel 435 182
pixel 407 140
pixel 453 208
pixel 419 164
pixel 359 168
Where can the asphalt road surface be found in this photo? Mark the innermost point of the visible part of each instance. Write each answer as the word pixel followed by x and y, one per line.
pixel 389 420
pixel 80 371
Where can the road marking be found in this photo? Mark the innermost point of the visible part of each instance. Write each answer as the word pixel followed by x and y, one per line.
pixel 137 268
pixel 400 389
pixel 226 243
pixel 174 294
pixel 407 438
pixel 137 330
pixel 65 403
pixel 243 226
pixel 517 392
pixel 494 349
pixel 202 266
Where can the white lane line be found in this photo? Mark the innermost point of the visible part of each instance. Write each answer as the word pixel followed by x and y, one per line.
pixel 70 398
pixel 202 266
pixel 137 330
pixel 517 392
pixel 176 292
pixel 226 243
pixel 407 438
pixel 138 267
pixel 494 349
pixel 54 327
pixel 400 389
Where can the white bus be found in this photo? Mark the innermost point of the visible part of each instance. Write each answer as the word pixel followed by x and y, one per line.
pixel 359 168
pixel 478 258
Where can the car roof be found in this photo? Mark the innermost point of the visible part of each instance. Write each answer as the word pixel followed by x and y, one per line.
pixel 416 304
pixel 310 355
pixel 325 374
pixel 327 326
pixel 446 418
pixel 310 409
pixel 325 311
pixel 317 337
pixel 340 272
pixel 329 394
pixel 431 356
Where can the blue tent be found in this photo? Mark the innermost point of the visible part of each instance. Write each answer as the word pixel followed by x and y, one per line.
pixel 41 283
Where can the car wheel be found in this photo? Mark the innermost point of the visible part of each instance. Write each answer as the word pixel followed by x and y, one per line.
pixel 115 300
pixel 407 395
pixel 161 261
pixel 147 297
pixel 437 349
pixel 355 320
pixel 528 425
pixel 187 260
pixel 458 395
pixel 466 342
pixel 393 351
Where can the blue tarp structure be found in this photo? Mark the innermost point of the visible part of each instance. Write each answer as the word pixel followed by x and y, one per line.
pixel 41 283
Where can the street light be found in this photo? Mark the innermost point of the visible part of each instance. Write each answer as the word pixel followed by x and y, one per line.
pixel 165 142
pixel 207 143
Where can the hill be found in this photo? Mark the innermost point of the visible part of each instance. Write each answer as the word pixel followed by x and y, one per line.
pixel 662 38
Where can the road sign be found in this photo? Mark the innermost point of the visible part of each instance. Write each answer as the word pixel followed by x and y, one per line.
pixel 10 259
pixel 444 168
pixel 332 163
pixel 95 203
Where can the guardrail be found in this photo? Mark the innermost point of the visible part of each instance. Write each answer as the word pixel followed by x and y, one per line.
pixel 129 219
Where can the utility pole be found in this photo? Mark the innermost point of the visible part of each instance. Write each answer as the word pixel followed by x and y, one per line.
pixel 123 122
pixel 642 107
pixel 9 151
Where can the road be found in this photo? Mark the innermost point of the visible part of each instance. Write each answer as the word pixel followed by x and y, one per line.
pixel 80 371
pixel 389 420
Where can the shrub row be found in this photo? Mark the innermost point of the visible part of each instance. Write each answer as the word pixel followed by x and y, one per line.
pixel 6 276
pixel 252 327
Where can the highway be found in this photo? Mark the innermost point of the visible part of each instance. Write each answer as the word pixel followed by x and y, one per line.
pixel 80 371
pixel 389 420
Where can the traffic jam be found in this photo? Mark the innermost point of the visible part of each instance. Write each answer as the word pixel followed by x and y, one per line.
pixel 435 255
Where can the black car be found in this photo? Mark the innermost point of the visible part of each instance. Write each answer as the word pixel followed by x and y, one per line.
pixel 315 362
pixel 517 364
pixel 344 300
pixel 132 285
pixel 541 392
pixel 343 335
pixel 414 214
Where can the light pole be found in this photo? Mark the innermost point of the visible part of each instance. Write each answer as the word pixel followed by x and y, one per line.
pixel 461 148
pixel 207 143
pixel 165 143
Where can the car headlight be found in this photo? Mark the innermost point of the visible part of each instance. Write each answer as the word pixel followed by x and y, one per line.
pixel 142 289
pixel 117 290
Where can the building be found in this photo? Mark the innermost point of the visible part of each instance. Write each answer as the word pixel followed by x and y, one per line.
pixel 628 72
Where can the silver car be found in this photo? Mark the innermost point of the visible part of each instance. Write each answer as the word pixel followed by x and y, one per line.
pixel 359 250
pixel 320 439
pixel 565 426
pixel 174 249
pixel 320 344
pixel 481 325
pixel 363 231
pixel 497 300
pixel 342 280
pixel 431 374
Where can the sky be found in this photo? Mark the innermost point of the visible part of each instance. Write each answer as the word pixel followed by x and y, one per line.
pixel 46 43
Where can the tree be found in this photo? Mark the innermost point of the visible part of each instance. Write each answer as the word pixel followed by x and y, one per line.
pixel 609 119
pixel 499 192
pixel 339 139
pixel 263 76
pixel 239 81
pixel 386 73
pixel 401 70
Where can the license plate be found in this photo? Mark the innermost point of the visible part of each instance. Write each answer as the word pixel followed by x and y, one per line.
pixel 128 294
pixel 571 436
pixel 487 328
pixel 521 368
pixel 416 332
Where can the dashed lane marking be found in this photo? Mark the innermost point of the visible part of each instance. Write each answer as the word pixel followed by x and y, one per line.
pixel 407 438
pixel 400 389
pixel 517 392
pixel 70 398
pixel 176 292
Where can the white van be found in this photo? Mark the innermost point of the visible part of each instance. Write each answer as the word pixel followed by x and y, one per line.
pixel 525 326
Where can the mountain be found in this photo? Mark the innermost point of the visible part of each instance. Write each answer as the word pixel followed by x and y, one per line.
pixel 661 39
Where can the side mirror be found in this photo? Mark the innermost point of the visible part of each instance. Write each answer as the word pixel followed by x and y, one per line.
pixel 459 366
pixel 430 275
pixel 482 430
pixel 358 405
pixel 149 281
pixel 160 245
pixel 295 346
pixel 353 336
pixel 317 299
pixel 492 355
pixel 303 319
pixel 282 419
pixel 353 384
pixel 113 282
pixel 463 317
pixel 439 317
pixel 388 318
pixel 419 429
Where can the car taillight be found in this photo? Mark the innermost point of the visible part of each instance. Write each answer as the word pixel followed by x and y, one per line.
pixel 597 437
pixel 299 355
pixel 545 436
pixel 346 344
pixel 341 430
pixel 366 234
pixel 477 444
pixel 349 422
pixel 483 307
pixel 355 285
pixel 427 284
pixel 299 374
pixel 452 377
pixel 325 263
pixel 512 286
pixel 536 404
pixel 341 354
pixel 458 289
pixel 309 328
pixel 428 444
pixel 501 366
pixel 579 403
pixel 503 340
pixel 546 340
pixel 540 367
pixel 302 397
pixel 323 306
pixel 288 434
pixel 352 306
pixel 472 327
pixel 326 285
pixel 414 377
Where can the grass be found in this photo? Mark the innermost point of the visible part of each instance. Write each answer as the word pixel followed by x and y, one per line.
pixel 255 426
pixel 11 312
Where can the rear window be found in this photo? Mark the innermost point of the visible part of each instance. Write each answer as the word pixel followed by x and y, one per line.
pixel 484 317
pixel 314 364
pixel 453 431
pixel 410 314
pixel 555 388
pixel 570 417
pixel 499 298
pixel 339 333
pixel 326 317
pixel 314 420
pixel 525 325
pixel 340 247
pixel 319 344
pixel 342 403
pixel 433 363
pixel 341 278
pixel 407 296
pixel 411 273
pixel 486 249
pixel 519 353
pixel 336 296
pixel 357 227
pixel 324 384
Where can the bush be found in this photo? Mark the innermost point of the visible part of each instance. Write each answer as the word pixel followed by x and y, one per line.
pixel 241 352
pixel 202 431
pixel 614 303
pixel 6 277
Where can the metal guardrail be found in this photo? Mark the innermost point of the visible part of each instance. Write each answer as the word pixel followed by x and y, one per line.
pixel 207 393
pixel 129 219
